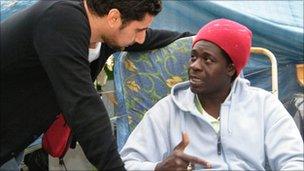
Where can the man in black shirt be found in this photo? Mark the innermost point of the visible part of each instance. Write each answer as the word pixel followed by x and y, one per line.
pixel 45 70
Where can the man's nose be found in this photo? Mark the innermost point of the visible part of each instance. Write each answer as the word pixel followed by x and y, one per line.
pixel 140 37
pixel 195 65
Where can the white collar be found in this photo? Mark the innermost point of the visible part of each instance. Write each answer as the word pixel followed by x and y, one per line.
pixel 94 53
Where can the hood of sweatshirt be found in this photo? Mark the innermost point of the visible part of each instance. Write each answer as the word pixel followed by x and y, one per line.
pixel 184 98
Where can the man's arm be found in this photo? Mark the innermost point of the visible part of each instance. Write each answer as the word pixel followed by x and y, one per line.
pixel 147 145
pixel 61 39
pixel 284 146
pixel 158 38
pixel 148 148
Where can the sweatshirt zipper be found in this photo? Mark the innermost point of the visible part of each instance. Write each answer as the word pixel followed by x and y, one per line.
pixel 219 143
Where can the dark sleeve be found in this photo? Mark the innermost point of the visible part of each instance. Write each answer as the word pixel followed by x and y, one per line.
pixel 61 39
pixel 158 38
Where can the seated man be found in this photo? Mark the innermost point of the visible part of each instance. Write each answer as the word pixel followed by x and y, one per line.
pixel 216 120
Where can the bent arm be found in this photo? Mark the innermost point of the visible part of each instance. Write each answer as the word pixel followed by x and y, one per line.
pixel 147 145
pixel 284 146
pixel 61 39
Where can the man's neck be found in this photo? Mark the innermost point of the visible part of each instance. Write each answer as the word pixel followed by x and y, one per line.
pixel 96 24
pixel 212 102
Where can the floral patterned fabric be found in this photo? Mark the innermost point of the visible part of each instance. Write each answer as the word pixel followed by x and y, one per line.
pixel 143 78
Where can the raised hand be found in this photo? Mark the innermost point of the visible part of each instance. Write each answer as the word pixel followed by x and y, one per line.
pixel 178 160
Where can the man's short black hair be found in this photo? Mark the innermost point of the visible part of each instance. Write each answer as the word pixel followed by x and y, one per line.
pixel 129 9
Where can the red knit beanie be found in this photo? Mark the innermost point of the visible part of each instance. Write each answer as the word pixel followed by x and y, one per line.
pixel 232 37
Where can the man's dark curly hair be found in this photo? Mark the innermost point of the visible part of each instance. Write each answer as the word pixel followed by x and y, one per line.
pixel 129 9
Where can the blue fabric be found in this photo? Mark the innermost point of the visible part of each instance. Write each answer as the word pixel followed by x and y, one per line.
pixel 14 163
pixel 141 79
pixel 9 7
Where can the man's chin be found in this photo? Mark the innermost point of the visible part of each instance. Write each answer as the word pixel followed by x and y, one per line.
pixel 116 48
pixel 193 90
pixel 196 90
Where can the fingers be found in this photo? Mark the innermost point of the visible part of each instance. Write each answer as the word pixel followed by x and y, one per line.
pixel 194 160
pixel 184 159
pixel 184 143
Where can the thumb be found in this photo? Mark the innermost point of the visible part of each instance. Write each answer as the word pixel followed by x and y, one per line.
pixel 184 143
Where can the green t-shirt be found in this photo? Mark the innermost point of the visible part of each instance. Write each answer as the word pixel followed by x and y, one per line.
pixel 214 122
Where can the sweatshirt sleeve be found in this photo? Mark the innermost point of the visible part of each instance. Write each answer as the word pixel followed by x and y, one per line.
pixel 61 39
pixel 147 144
pixel 284 146
pixel 157 39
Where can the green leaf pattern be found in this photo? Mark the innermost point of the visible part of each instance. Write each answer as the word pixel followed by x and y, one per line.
pixel 149 76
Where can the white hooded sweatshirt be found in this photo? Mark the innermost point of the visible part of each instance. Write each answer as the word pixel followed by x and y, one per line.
pixel 254 128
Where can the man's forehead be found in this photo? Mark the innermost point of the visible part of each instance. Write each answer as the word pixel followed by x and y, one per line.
pixel 202 44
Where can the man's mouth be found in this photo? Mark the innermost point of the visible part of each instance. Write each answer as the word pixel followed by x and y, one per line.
pixel 195 80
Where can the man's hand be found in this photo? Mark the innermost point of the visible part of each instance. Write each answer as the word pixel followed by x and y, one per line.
pixel 178 160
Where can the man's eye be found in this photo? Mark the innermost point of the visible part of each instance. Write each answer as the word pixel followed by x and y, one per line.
pixel 141 30
pixel 192 58
pixel 208 60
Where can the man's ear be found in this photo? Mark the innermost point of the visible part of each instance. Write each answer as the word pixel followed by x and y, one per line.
pixel 231 69
pixel 114 18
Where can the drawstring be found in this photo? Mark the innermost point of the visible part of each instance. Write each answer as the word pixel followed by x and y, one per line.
pixel 61 163
pixel 233 90
pixel 230 111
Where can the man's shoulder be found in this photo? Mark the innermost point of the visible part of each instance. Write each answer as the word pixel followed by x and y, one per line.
pixel 68 17
pixel 163 102
pixel 245 89
pixel 258 91
pixel 60 7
